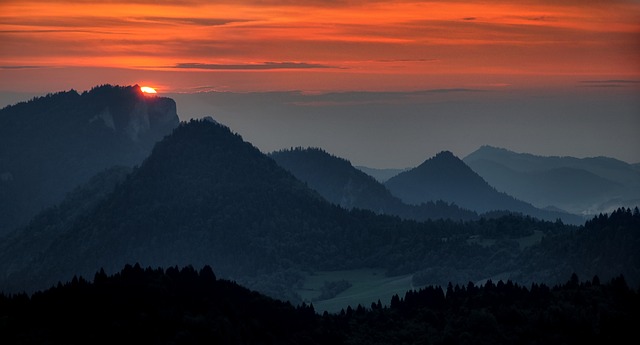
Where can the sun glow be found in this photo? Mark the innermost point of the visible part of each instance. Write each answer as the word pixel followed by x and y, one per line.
pixel 147 89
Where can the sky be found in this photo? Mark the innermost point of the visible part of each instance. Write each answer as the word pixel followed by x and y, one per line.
pixel 382 83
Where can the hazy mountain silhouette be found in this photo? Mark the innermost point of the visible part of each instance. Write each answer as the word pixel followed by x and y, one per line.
pixel 340 183
pixel 381 175
pixel 578 185
pixel 446 177
pixel 51 144
pixel 206 197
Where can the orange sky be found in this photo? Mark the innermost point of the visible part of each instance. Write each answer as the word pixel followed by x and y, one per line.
pixel 314 45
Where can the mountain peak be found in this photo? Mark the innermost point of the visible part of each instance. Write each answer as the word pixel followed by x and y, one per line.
pixel 53 143
pixel 339 182
pixel 445 162
pixel 128 110
pixel 445 154
pixel 446 177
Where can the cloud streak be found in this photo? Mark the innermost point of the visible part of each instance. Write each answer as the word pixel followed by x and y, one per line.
pixel 256 66
pixel 612 83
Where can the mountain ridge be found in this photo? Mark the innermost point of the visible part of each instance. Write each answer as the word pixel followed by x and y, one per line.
pixel 141 221
pixel 448 178
pixel 580 185
pixel 51 144
pixel 338 181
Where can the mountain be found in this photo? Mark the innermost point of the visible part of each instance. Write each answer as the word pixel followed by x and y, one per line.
pixel 579 185
pixel 446 177
pixel 51 144
pixel 340 183
pixel 381 175
pixel 204 196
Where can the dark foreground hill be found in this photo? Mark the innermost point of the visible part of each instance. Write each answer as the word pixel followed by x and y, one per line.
pixel 446 177
pixel 51 144
pixel 342 184
pixel 185 306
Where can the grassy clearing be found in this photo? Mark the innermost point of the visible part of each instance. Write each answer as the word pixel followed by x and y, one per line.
pixel 368 285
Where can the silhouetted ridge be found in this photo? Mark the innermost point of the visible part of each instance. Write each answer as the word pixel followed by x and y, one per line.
pixel 51 144
pixel 154 306
pixel 340 183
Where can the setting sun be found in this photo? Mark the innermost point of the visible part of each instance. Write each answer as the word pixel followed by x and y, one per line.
pixel 147 89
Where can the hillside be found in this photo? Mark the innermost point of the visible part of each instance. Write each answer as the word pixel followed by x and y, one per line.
pixel 51 144
pixel 446 177
pixel 579 185
pixel 340 183
pixel 607 243
pixel 202 196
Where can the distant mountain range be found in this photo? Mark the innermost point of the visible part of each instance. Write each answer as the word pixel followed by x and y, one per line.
pixel 340 183
pixel 446 177
pixel 51 144
pixel 204 196
pixel 578 185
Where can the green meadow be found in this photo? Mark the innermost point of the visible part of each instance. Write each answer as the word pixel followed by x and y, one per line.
pixel 367 286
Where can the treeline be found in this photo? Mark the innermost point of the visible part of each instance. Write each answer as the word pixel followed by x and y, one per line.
pixel 607 245
pixel 185 305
